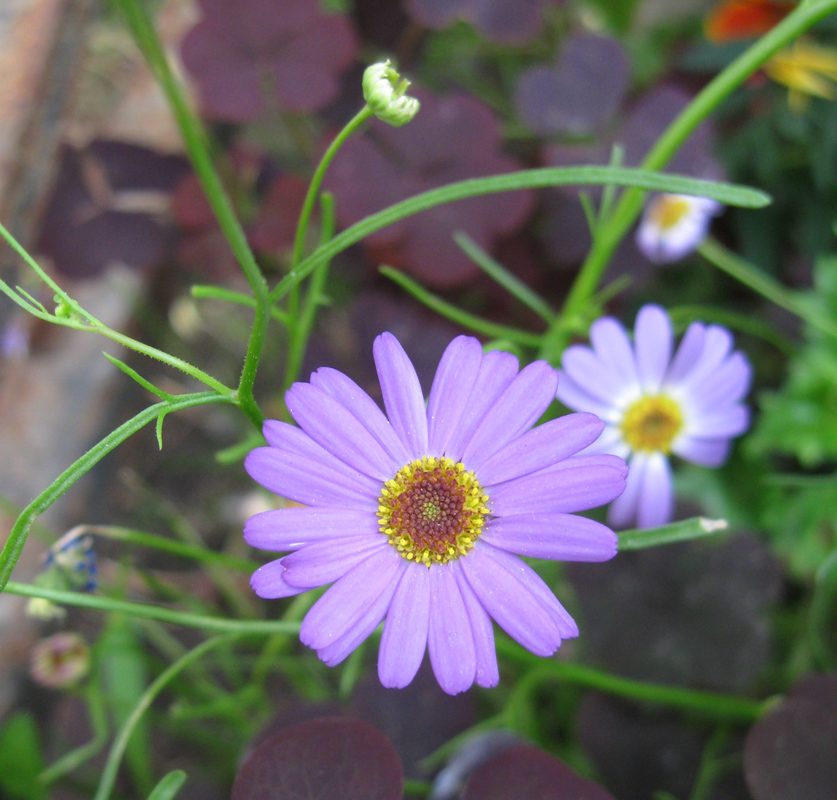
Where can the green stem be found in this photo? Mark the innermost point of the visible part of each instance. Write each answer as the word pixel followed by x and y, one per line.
pixel 752 277
pixel 206 622
pixel 822 628
pixel 302 330
pixel 630 204
pixel 510 282
pixel 463 318
pixel 196 142
pixel 510 182
pixel 166 545
pixel 706 704
pixel 117 750
pixel 316 181
pixel 17 538
pixel 201 292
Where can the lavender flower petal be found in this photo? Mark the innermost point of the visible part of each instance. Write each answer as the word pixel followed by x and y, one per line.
pixel 611 344
pixel 717 344
pixel 653 343
pixel 575 484
pixel 306 480
pixel 497 371
pixel 326 562
pixel 574 396
pixel 291 439
pixel 488 674
pixel 622 511
pixel 284 529
pixel 515 411
pixel 595 377
pixel 450 640
pixel 451 390
pixel 514 607
pixel 560 537
pixel 728 384
pixel 362 625
pixel 335 428
pixel 363 407
pixel 688 353
pixel 705 452
pixel 337 612
pixel 730 421
pixel 403 398
pixel 535 584
pixel 656 496
pixel 540 447
pixel 405 631
pixel 268 581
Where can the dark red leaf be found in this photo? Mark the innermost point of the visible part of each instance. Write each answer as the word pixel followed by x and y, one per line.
pixel 332 757
pixel 791 752
pixel 524 772
pixel 581 93
pixel 248 54
pixel 451 139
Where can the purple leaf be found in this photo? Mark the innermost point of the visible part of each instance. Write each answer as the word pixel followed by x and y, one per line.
pixel 526 773
pixel 331 757
pixel 790 752
pixel 581 93
pixel 252 54
pixel 451 139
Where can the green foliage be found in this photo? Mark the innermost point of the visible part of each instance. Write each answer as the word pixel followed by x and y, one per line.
pixel 20 758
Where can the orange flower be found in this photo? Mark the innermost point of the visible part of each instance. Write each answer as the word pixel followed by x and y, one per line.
pixel 744 19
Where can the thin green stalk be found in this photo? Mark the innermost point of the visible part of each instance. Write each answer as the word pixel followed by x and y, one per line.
pixel 510 182
pixel 316 181
pixel 510 282
pixel 630 204
pixel 684 531
pixel 194 138
pixel 95 701
pixel 822 629
pixel 121 741
pixel 417 788
pixel 709 705
pixel 752 277
pixel 302 330
pixel 17 538
pixel 463 318
pixel 206 622
pixel 197 147
pixel 199 554
pixel 201 292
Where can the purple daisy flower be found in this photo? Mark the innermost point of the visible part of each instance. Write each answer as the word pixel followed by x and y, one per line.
pixel 656 402
pixel 416 515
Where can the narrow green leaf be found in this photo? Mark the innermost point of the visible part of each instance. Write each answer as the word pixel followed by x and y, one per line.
pixel 511 283
pixel 20 530
pixel 463 318
pixel 20 758
pixel 823 619
pixel 726 193
pixel 159 429
pixel 694 528
pixel 168 788
pixel 133 374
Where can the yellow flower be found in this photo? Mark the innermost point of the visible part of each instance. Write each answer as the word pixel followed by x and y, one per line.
pixel 808 70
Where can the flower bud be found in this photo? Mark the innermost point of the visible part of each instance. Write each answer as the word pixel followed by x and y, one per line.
pixel 60 660
pixel 384 91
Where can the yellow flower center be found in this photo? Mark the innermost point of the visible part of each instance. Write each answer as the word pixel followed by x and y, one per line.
pixel 652 423
pixel 433 510
pixel 667 210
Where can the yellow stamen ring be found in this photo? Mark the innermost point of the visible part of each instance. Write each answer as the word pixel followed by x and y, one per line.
pixel 652 423
pixel 433 510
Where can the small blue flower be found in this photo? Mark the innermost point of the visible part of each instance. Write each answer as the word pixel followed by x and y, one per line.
pixel 73 559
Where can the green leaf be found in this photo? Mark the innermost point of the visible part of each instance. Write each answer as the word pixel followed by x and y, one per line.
pixel 133 374
pixel 124 677
pixel 167 788
pixel 21 760
pixel 694 528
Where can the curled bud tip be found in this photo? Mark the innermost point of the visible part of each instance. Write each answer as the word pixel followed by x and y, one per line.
pixel 384 91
